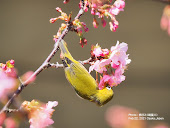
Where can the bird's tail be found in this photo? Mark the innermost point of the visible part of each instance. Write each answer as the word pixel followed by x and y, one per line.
pixel 64 50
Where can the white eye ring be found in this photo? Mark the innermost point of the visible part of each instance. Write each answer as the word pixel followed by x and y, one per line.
pixel 108 87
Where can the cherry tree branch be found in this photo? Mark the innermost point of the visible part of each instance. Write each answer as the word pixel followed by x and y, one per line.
pixel 57 65
pixel 46 64
pixel 88 61
pixel 11 110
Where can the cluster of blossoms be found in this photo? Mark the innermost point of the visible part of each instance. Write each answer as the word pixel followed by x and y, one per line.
pixel 165 20
pixel 8 67
pixel 105 8
pixel 78 26
pixel 64 17
pixel 115 60
pixel 9 79
pixel 100 8
pixel 39 114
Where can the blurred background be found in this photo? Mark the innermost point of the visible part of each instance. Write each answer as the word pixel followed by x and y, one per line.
pixel 27 37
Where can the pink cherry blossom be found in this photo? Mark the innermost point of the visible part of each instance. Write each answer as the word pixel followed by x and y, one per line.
pixel 8 68
pixel 58 9
pixel 83 41
pixel 112 80
pixel 100 66
pixel 12 62
pixel 118 55
pixel 86 29
pixel 120 4
pixel 118 76
pixel 113 26
pixel 118 117
pixel 105 59
pixel 95 23
pixel 122 46
pixel 105 8
pixel 103 22
pixel 10 123
pixel 86 8
pixel 165 20
pixel 165 23
pixel 105 51
pixel 41 118
pixel 114 11
pixel 7 83
pixel 66 1
pixel 98 51
pixel 93 11
pixel 106 80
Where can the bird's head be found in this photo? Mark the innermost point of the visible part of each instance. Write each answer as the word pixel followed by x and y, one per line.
pixel 103 96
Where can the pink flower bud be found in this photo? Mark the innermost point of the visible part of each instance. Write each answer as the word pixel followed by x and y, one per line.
pixel 66 1
pixel 83 42
pixel 113 26
pixel 4 67
pixel 95 23
pixel 52 20
pixel 12 62
pixel 55 39
pixel 79 30
pixel 85 27
pixel 103 22
pixel 80 5
pixel 85 8
pixel 58 9
pixel 93 11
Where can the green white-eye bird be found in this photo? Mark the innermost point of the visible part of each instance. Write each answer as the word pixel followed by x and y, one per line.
pixel 83 83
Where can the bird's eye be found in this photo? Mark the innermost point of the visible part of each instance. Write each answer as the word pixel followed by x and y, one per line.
pixel 108 87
